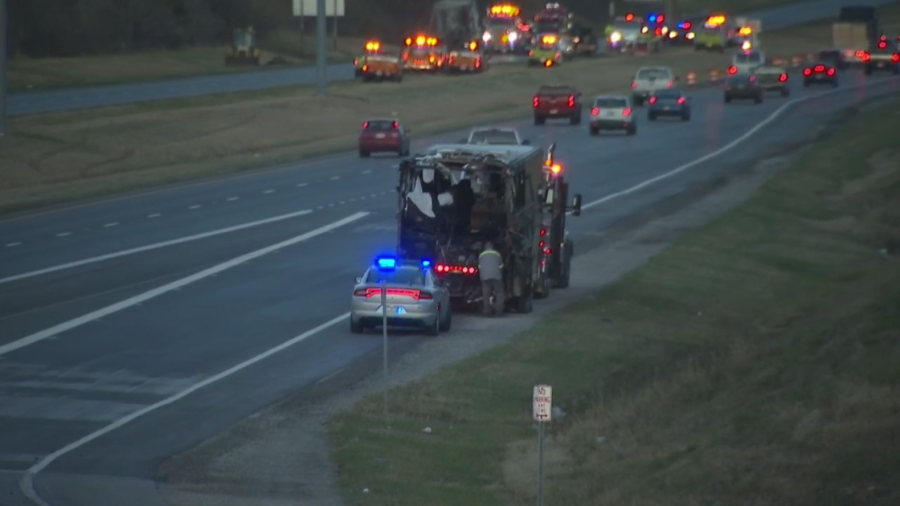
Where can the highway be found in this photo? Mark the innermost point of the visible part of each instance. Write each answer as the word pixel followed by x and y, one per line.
pixel 220 272
pixel 37 102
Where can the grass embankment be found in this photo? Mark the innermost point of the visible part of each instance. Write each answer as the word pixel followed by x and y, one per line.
pixel 754 362
pixel 34 74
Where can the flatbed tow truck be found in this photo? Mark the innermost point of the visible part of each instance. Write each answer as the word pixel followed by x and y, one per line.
pixel 455 197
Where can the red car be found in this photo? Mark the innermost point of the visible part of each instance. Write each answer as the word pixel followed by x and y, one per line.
pixel 383 136
pixel 552 102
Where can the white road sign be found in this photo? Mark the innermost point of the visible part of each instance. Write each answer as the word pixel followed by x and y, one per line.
pixel 543 403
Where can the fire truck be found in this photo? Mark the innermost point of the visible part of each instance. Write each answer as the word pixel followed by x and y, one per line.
pixel 371 47
pixel 423 53
pixel 505 31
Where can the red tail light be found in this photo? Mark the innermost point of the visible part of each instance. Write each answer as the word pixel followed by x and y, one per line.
pixel 807 71
pixel 783 78
pixel 362 292
pixel 355 62
pixel 882 45
pixel 820 68
pixel 365 125
pixel 458 269
pixel 895 57
pixel 626 111
pixel 866 56
pixel 543 232
pixel 535 102
pixel 680 100
pixel 652 100
pixel 396 125
pixel 477 62
pixel 571 101
pixel 530 53
pixel 831 72
pixel 670 84
pixel 634 85
pixel 732 70
pixel 402 292
pixel 595 111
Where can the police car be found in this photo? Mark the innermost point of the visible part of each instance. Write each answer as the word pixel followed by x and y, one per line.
pixel 413 298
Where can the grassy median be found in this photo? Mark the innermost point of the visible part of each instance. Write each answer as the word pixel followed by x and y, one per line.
pixel 754 362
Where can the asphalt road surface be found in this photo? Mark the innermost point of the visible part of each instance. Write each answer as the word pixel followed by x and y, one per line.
pixel 37 102
pixel 86 341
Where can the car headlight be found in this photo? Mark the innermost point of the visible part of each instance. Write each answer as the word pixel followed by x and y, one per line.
pixel 690 36
pixel 513 36
pixel 486 37
pixel 615 37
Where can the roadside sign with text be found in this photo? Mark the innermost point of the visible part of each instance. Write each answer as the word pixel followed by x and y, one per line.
pixel 543 403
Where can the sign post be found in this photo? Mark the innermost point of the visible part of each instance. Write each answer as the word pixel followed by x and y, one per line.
pixel 384 344
pixel 321 9
pixel 542 409
pixel 4 51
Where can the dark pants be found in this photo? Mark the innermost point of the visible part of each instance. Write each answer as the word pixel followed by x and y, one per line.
pixel 492 287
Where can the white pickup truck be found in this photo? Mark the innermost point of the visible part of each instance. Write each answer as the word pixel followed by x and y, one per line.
pixel 650 79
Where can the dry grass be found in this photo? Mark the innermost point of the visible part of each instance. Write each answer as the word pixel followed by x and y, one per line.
pixel 48 73
pixel 754 362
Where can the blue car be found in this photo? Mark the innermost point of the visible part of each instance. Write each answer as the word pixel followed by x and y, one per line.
pixel 671 102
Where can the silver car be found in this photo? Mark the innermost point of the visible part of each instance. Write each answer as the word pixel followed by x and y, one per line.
pixel 613 112
pixel 415 297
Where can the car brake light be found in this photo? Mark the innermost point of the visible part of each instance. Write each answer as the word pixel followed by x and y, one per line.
pixel 595 111
pixel 633 84
pixel 807 71
pixel 477 62
pixel 680 100
pixel 895 57
pixel 732 70
pixel 571 101
pixel 425 296
pixel 460 269
pixel 543 232
pixel 362 292
pixel 866 56
pixel 669 84
pixel 365 125
pixel 355 62
pixel 652 100
pixel 783 78
pixel 882 45
pixel 626 111
pixel 535 102
pixel 820 68
pixel 831 72
pixel 396 125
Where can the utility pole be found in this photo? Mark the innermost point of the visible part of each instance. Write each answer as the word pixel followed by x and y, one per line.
pixel 321 49
pixel 4 52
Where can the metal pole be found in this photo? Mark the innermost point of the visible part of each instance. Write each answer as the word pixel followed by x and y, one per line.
pixel 321 49
pixel 4 49
pixel 384 344
pixel 334 26
pixel 540 498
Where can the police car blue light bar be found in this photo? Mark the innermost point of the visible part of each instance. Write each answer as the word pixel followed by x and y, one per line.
pixel 426 263
pixel 386 262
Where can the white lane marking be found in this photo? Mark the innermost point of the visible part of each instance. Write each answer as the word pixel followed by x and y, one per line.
pixel 373 195
pixel 26 483
pixel 728 147
pixel 352 200
pixel 63 234
pixel 320 208
pixel 13 244
pixel 301 185
pixel 268 192
pixel 330 205
pixel 232 199
pixel 342 202
pixel 335 178
pixel 174 285
pixel 362 198
pixel 367 171
pixel 149 247
pixel 110 225
pixel 154 215
pixel 195 206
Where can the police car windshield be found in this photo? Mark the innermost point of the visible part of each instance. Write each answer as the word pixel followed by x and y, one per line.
pixel 748 58
pixel 412 276
pixel 611 103
pixel 653 74
pixel 379 125
pixel 493 137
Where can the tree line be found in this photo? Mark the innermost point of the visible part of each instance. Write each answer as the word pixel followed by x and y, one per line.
pixel 47 28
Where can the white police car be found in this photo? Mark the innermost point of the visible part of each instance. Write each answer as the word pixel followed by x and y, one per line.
pixel 414 297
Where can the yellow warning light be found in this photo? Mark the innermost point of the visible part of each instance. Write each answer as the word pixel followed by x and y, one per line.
pixel 548 39
pixel 715 20
pixel 409 41
pixel 373 45
pixel 745 30
pixel 473 45
pixel 420 40
pixel 504 10
pixel 556 168
pixel 548 63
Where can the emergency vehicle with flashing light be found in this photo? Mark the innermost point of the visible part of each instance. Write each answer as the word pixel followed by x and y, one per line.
pixel 470 59
pixel 773 78
pixel 383 135
pixel 712 34
pixel 820 73
pixel 613 112
pixel 381 67
pixel 681 34
pixel 371 47
pixel 546 52
pixel 504 30
pixel 423 53
pixel 624 32
pixel 557 102
pixel 883 57
pixel 407 294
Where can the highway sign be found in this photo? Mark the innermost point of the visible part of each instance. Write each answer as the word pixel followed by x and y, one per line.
pixel 543 403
